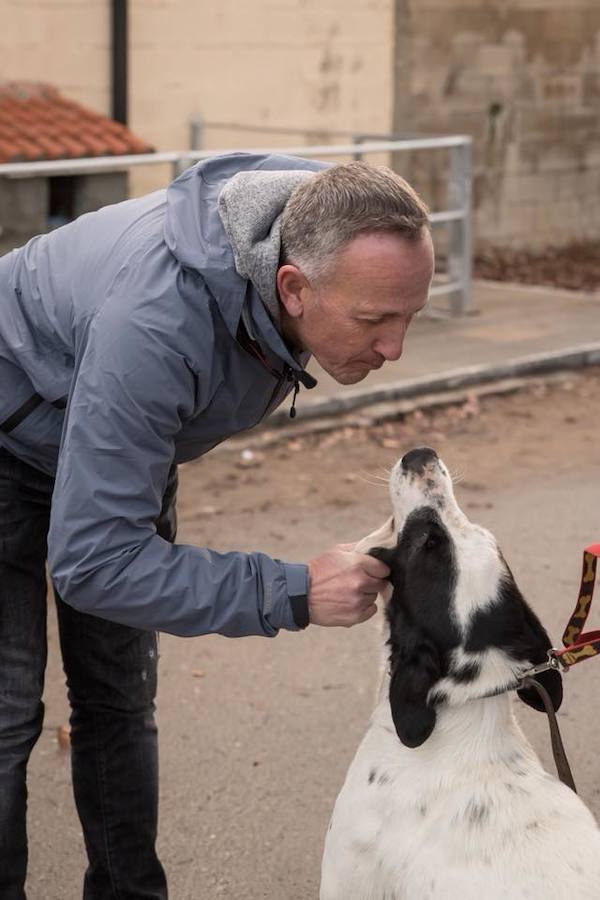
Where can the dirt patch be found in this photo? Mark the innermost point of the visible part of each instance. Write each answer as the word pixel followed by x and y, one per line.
pixel 342 468
pixel 576 267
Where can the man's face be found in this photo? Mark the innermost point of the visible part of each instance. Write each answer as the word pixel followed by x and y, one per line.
pixel 357 318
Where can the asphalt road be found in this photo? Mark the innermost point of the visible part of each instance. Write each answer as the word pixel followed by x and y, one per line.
pixel 256 734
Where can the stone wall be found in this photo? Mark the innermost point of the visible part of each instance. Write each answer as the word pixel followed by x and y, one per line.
pixel 523 78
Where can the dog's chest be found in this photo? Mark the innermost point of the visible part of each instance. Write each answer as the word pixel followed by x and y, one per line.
pixel 402 831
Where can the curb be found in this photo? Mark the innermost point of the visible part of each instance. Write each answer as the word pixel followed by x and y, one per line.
pixel 263 437
pixel 452 380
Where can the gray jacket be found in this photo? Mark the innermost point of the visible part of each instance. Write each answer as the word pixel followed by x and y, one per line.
pixel 119 357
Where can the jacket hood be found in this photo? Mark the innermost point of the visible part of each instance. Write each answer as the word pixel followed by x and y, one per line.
pixel 250 206
pixel 223 222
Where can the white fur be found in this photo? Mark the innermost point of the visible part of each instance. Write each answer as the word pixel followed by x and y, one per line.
pixel 470 814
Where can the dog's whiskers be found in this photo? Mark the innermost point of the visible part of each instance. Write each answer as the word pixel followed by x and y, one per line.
pixel 373 479
pixel 377 477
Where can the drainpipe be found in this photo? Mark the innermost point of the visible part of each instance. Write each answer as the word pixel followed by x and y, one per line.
pixel 119 42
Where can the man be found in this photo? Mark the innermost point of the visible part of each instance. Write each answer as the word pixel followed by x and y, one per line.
pixel 133 339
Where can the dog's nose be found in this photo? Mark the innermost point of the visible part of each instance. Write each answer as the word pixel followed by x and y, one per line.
pixel 416 460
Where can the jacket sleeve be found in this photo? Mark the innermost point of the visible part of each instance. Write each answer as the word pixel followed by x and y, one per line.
pixel 131 395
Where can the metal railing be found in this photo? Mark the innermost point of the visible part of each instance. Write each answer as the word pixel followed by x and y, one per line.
pixel 199 126
pixel 456 284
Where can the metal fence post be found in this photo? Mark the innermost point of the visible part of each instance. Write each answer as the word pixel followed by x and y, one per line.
pixel 182 163
pixel 197 133
pixel 357 139
pixel 460 230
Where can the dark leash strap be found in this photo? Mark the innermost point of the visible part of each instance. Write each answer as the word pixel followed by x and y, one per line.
pixel 558 750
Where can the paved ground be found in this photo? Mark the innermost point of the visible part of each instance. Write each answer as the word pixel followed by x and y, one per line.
pixel 256 735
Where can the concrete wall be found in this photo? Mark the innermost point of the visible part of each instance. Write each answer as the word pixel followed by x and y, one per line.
pixel 24 203
pixel 23 210
pixel 64 42
pixel 522 77
pixel 318 64
pixel 94 191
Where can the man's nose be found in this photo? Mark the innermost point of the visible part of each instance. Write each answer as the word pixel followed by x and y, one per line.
pixel 391 345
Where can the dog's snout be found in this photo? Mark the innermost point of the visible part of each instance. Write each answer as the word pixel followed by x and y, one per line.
pixel 416 460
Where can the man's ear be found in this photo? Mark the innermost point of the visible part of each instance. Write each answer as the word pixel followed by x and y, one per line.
pixel 291 288
pixel 413 675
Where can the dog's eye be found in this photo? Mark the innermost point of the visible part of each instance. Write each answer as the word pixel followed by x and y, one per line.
pixel 432 541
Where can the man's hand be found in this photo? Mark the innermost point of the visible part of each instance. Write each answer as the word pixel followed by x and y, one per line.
pixel 343 586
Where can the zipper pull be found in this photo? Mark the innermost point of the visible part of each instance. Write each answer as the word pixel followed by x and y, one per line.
pixel 293 406
pixel 301 377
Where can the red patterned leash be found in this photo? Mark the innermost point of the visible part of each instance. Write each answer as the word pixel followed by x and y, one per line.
pixel 578 644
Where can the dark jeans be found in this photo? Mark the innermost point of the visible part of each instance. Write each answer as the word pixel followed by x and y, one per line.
pixel 111 678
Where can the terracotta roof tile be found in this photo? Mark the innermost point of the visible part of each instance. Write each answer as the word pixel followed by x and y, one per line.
pixel 37 122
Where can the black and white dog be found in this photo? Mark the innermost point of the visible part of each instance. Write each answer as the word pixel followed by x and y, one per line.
pixel 445 799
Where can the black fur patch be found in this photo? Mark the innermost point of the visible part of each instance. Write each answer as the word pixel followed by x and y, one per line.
pixel 511 625
pixel 467 672
pixel 422 630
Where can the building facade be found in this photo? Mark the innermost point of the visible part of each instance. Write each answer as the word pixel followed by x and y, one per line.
pixel 521 76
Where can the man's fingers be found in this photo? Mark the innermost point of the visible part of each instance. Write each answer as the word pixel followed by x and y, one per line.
pixel 375 568
pixel 344 586
pixel 368 613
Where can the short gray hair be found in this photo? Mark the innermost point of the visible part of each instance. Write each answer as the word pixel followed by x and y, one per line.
pixel 324 213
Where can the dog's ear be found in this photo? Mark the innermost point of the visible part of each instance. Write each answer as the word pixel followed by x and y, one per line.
pixel 385 554
pixel 530 641
pixel 536 645
pixel 413 675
